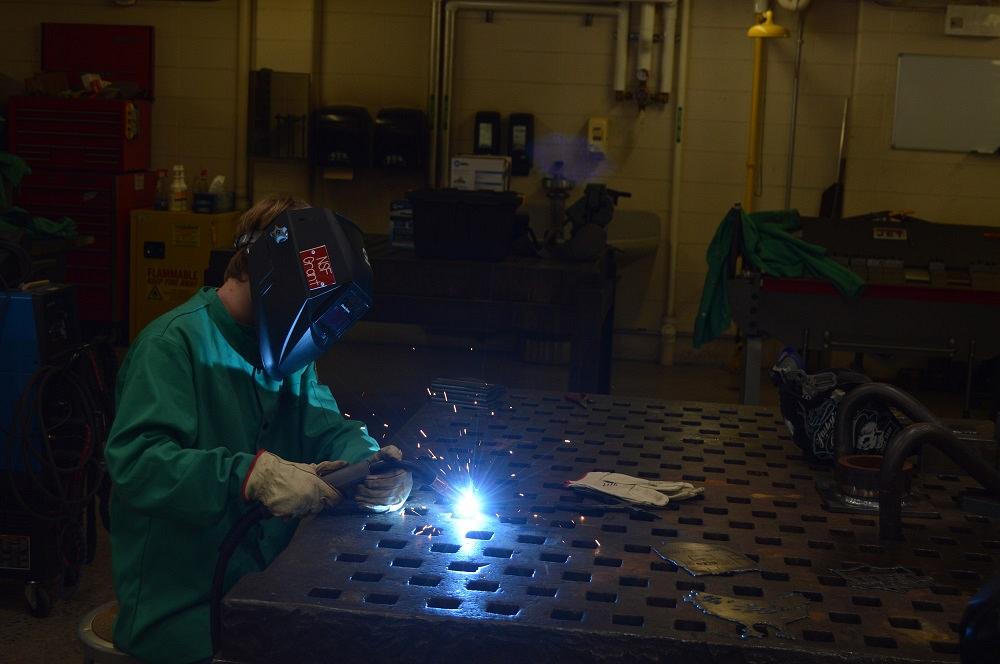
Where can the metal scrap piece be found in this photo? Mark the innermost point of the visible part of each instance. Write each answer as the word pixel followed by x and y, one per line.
pixel 704 559
pixel 753 616
pixel 893 579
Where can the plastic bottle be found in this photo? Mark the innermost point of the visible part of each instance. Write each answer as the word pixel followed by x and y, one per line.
pixel 161 199
pixel 200 185
pixel 178 191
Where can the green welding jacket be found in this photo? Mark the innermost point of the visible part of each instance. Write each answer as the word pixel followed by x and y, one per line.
pixel 193 410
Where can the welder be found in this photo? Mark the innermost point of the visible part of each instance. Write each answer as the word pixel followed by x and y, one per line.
pixel 220 406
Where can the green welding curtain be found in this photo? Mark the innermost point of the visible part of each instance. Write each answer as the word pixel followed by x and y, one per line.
pixel 768 244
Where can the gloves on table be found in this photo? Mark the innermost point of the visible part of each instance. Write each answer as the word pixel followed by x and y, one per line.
pixel 648 493
pixel 287 488
pixel 385 492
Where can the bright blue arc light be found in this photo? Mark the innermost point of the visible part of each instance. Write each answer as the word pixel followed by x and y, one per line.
pixel 467 504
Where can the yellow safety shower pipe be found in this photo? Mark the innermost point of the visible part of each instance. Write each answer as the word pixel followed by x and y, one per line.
pixel 765 28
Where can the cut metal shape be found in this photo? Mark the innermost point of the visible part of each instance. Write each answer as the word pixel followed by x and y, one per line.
pixel 893 579
pixel 705 559
pixel 753 616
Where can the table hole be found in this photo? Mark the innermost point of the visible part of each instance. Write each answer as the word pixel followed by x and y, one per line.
pixel 813 518
pixel 527 572
pixel 631 621
pixel 562 524
pixel 426 580
pixel 690 585
pixel 863 600
pixel 541 591
pixel 465 566
pixel 798 562
pixel 819 544
pixel 738 500
pixel 768 541
pixel 516 520
pixel 407 562
pixel 531 539
pixel 637 548
pixel 904 623
pixel 633 581
pixel 391 544
pixel 825 580
pixel 601 597
pixel 845 618
pixel 607 562
pixel 479 534
pixel 483 586
pixel 444 603
pixel 612 528
pixel 717 537
pixel 552 557
pixel 445 548
pixel 502 609
pixel 689 625
pixel 566 614
pixel 635 515
pixel 811 596
pixel 741 525
pixel 585 544
pixel 351 558
pixel 879 641
pixel 325 593
pixel 978 557
pixel 748 591
pixel 946 647
pixel 764 514
pixel 378 527
pixel 922 605
pixel 381 598
pixel 792 529
pixel 817 635
pixel 581 577
pixel 664 532
pixel 737 481
pixel 662 602
pixel 944 590
pixel 869 523
pixel 367 577
pixel 784 503
pixel 690 521
pixel 965 575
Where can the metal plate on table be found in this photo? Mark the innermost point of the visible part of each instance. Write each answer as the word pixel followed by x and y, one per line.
pixel 552 576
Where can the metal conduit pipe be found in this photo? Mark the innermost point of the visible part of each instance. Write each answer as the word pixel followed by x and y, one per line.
pixel 908 442
pixel 452 8
pixel 889 396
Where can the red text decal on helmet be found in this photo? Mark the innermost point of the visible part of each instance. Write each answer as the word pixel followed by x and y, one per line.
pixel 316 267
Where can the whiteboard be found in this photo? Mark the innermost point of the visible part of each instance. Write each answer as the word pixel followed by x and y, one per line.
pixel 947 103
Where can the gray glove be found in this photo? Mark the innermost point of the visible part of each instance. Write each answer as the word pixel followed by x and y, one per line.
pixel 385 492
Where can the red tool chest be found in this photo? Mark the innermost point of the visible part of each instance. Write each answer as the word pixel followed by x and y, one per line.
pixel 99 203
pixel 97 135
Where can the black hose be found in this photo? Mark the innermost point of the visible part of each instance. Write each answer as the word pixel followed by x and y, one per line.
pixel 233 538
pixel 889 396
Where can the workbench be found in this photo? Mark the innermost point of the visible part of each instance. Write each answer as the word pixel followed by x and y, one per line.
pixel 532 297
pixel 549 575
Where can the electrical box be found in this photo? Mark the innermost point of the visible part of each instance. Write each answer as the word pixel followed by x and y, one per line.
pixel 487 136
pixel 597 136
pixel 400 138
pixel 342 137
pixel 972 21
pixel 169 255
pixel 521 142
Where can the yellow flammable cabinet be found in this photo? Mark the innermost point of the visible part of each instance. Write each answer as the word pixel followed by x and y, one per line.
pixel 168 258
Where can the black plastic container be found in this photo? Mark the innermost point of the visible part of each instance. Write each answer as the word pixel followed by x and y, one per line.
pixel 471 225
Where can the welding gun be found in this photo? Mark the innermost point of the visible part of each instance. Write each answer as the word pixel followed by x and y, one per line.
pixel 355 473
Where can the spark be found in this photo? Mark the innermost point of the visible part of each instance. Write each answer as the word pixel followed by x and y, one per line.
pixel 454 407
pixel 513 474
pixel 429 393
pixel 598 542
pixel 347 415
pixel 422 433
pixel 385 424
pixel 567 440
pixel 418 446
pixel 445 395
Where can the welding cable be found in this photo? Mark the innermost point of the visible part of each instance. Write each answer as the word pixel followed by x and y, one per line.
pixel 232 540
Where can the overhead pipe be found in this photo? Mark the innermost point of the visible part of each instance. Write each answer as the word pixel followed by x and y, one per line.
pixel 668 329
pixel 907 443
pixel 669 33
pixel 452 8
pixel 433 89
pixel 762 30
pixel 621 56
pixel 794 112
pixel 644 54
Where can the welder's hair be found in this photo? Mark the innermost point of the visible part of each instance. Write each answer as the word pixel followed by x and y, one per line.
pixel 256 218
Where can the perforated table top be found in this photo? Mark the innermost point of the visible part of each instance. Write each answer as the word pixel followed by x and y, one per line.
pixel 550 575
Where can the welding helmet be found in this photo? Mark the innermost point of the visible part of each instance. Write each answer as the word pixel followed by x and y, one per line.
pixel 310 281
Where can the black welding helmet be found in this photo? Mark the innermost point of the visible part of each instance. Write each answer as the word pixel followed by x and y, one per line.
pixel 310 281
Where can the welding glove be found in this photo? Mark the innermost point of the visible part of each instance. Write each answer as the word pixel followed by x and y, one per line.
pixel 648 493
pixel 287 488
pixel 385 492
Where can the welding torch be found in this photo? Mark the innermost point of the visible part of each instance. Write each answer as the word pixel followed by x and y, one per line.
pixel 341 479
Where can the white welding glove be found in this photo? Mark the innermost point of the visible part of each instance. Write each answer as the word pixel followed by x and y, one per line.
pixel 287 488
pixel 385 492
pixel 648 493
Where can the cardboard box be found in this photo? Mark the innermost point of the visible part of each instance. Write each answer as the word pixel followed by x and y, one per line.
pixel 471 172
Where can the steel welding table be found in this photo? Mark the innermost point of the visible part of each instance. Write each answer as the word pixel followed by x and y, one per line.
pixel 548 298
pixel 550 576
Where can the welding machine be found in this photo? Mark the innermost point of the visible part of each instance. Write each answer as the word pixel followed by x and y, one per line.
pixel 54 411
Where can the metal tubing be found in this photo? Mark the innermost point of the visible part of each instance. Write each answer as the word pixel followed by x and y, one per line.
pixel 621 54
pixel 909 442
pixel 789 166
pixel 452 8
pixel 890 396
pixel 667 54
pixel 753 140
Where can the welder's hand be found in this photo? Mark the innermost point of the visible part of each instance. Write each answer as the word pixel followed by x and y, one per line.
pixel 389 452
pixel 385 492
pixel 287 488
pixel 324 467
